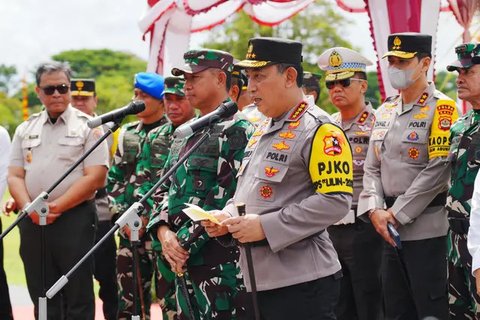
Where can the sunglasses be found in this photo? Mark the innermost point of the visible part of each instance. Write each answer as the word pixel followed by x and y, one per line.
pixel 49 90
pixel 344 83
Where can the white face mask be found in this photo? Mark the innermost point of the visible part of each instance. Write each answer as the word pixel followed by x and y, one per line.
pixel 402 79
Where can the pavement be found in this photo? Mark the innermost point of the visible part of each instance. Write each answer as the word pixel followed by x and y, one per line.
pixel 23 306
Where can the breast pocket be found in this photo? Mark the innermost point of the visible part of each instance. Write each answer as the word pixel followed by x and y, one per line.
pixel 414 146
pixel 29 148
pixel 377 138
pixel 70 149
pixel 201 176
pixel 159 153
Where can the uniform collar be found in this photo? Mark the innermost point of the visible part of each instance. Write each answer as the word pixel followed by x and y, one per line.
pixel 421 100
pixel 292 115
pixel 359 119
pixel 64 116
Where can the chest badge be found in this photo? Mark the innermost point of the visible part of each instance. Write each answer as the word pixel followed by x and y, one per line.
pixel 252 142
pixel 287 135
pixel 294 124
pixel 28 156
pixel 271 171
pixel 266 192
pixel 413 153
pixel 281 146
pixel 412 136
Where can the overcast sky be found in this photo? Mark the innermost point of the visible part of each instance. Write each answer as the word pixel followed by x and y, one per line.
pixel 31 30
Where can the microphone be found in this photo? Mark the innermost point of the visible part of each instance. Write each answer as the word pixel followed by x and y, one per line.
pixel 224 110
pixel 133 107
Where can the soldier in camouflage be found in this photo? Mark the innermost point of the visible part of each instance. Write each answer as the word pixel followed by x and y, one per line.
pixel 127 166
pixel 207 179
pixel 155 153
pixel 465 159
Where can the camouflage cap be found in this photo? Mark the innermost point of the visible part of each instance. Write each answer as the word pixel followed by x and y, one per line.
pixel 82 87
pixel 199 60
pixel 174 85
pixel 468 54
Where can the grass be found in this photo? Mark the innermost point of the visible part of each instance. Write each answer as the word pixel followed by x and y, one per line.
pixel 12 262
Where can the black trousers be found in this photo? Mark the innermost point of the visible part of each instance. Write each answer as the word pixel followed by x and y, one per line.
pixel 313 300
pixel 105 270
pixel 66 242
pixel 5 305
pixel 415 280
pixel 359 249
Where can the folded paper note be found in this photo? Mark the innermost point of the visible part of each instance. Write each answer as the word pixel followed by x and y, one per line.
pixel 196 213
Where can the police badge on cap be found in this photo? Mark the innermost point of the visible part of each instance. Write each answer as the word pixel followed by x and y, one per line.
pixel 407 45
pixel 264 51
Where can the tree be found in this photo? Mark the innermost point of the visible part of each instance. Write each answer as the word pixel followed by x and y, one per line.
pixel 7 74
pixel 317 27
pixel 113 72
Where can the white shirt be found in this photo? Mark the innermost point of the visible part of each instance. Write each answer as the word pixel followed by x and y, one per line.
pixel 474 231
pixel 5 147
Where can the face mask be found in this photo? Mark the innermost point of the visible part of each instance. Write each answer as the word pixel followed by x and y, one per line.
pixel 402 79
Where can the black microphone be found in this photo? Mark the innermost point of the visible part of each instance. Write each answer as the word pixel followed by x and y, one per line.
pixel 133 107
pixel 223 111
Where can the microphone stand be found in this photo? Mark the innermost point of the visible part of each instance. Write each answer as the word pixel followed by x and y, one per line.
pixel 131 217
pixel 39 205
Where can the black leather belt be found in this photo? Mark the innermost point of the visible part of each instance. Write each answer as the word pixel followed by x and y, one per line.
pixel 264 242
pixel 102 192
pixel 458 222
pixel 439 200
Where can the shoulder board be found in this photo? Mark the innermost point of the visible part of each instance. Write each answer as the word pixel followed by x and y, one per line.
pixel 35 115
pixel 129 125
pixel 440 95
pixel 319 114
pixel 391 98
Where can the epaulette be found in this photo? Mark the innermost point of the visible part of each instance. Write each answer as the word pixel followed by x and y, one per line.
pixel 440 95
pixel 33 116
pixel 391 98
pixel 131 124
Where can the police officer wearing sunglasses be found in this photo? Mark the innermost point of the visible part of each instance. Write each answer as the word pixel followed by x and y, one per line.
pixel 405 182
pixel 358 246
pixel 462 214
pixel 43 148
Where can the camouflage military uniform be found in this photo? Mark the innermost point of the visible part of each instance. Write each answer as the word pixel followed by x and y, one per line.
pixel 465 158
pixel 154 154
pixel 128 164
pixel 207 179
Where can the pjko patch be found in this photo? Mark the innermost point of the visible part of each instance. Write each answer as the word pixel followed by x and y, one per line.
pixel 332 145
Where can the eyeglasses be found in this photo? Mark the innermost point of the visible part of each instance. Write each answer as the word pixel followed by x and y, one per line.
pixel 344 82
pixel 467 50
pixel 49 90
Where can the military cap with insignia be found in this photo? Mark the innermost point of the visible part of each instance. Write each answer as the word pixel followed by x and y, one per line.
pixel 239 73
pixel 199 60
pixel 311 80
pixel 150 83
pixel 264 51
pixel 341 63
pixel 468 54
pixel 174 85
pixel 407 45
pixel 82 87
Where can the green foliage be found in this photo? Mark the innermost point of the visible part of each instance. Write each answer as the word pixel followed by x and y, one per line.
pixel 112 70
pixel 445 82
pixel 7 73
pixel 87 63
pixel 11 111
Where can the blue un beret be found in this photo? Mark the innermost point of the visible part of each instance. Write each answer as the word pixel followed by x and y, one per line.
pixel 150 83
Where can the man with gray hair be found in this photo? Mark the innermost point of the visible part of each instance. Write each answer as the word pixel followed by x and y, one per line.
pixel 43 148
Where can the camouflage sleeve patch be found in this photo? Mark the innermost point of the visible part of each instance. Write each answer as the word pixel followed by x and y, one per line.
pixel 445 115
pixel 330 162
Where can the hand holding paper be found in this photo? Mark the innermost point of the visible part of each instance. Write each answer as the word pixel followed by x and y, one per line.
pixel 196 213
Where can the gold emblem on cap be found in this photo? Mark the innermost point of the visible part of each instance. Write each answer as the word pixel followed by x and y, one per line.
pixel 335 60
pixel 396 43
pixel 79 85
pixel 250 54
